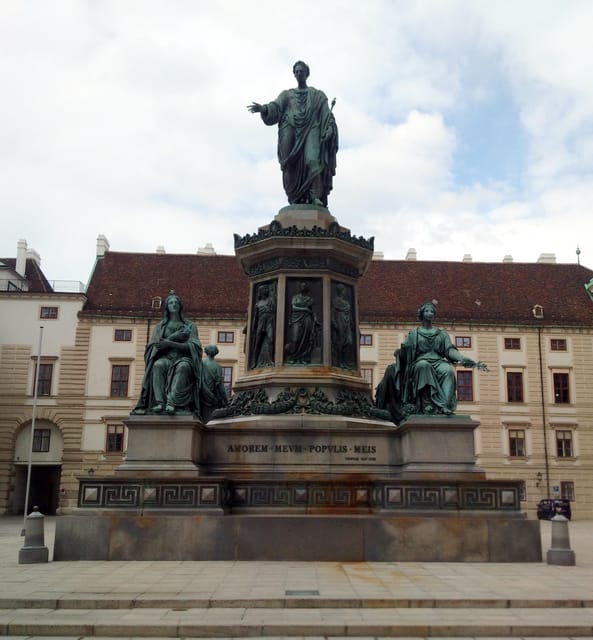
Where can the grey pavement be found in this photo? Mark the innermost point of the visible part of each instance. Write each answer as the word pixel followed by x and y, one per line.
pixel 282 599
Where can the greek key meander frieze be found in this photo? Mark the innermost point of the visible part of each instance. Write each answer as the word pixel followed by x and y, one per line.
pixel 276 230
pixel 122 495
pixel 297 495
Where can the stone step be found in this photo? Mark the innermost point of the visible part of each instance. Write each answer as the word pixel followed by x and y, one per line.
pixel 235 622
pixel 111 601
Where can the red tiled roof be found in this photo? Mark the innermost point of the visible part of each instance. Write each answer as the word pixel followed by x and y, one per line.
pixel 391 290
pixel 125 284
pixel 477 292
pixel 38 283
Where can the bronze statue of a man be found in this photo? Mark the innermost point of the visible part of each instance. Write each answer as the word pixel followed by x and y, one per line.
pixel 307 139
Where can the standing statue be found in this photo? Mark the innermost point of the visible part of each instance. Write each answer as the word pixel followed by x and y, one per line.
pixel 307 139
pixel 173 365
pixel 263 324
pixel 302 327
pixel 422 379
pixel 343 353
pixel 214 394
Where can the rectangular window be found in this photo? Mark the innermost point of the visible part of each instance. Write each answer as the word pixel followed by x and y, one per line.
pixel 41 440
pixel 512 343
pixel 227 378
pixel 48 313
pixel 123 335
pixel 567 490
pixel 558 344
pixel 367 374
pixel 463 342
pixel 564 444
pixel 514 386
pixel 119 380
pixel 115 438
pixel 366 339
pixel 561 391
pixel 44 381
pixel 226 337
pixel 465 386
pixel 517 443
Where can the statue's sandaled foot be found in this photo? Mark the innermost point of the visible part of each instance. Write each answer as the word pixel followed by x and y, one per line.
pixel 170 409
pixel 140 411
pixel 157 408
pixel 317 202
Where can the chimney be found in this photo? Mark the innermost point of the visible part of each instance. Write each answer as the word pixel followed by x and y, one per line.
pixel 467 257
pixel 508 258
pixel 33 255
pixel 21 257
pixel 102 246
pixel 160 249
pixel 411 255
pixel 547 258
pixel 208 250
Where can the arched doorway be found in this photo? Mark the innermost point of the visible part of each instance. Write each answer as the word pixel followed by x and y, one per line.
pixel 46 467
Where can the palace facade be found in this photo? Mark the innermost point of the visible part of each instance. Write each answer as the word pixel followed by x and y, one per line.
pixel 531 323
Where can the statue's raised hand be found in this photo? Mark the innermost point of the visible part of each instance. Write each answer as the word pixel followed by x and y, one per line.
pixel 254 107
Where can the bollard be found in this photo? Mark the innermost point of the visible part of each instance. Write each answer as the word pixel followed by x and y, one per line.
pixel 560 552
pixel 34 549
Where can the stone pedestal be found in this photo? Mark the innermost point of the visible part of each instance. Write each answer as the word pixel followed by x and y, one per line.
pixel 162 445
pixel 329 538
pixel 434 445
pixel 300 446
pixel 303 247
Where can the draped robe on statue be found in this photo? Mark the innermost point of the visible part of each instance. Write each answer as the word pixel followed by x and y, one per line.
pixel 307 143
pixel 422 379
pixel 172 375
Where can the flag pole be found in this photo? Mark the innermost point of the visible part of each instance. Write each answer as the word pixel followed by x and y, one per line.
pixel 35 390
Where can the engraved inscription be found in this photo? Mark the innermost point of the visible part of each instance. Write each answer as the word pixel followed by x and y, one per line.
pixel 355 453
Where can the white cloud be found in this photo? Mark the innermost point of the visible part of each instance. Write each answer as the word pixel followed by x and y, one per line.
pixel 129 119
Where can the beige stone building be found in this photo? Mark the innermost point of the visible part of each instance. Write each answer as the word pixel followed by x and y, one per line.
pixel 28 302
pixel 531 323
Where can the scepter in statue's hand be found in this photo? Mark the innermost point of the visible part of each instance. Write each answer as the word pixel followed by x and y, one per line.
pixel 471 364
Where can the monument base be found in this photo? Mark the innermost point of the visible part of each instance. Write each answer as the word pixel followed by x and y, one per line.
pixel 162 445
pixel 299 487
pixel 332 538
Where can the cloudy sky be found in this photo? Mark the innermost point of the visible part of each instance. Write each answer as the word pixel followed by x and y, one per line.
pixel 466 127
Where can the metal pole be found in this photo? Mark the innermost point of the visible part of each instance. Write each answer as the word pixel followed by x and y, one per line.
pixel 544 418
pixel 35 388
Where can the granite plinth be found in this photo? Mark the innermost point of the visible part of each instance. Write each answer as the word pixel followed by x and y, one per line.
pixel 437 444
pixel 299 445
pixel 277 537
pixel 162 444
pixel 305 216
